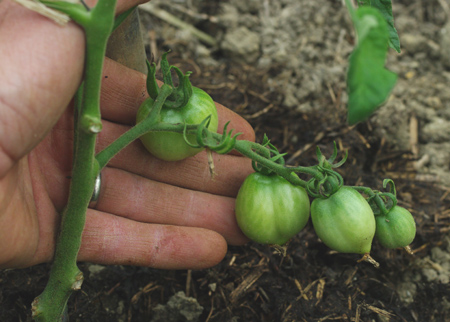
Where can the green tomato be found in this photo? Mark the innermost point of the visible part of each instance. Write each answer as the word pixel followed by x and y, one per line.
pixel 271 210
pixel 344 221
pixel 171 146
pixel 396 229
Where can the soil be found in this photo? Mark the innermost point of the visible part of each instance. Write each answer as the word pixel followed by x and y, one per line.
pixel 282 64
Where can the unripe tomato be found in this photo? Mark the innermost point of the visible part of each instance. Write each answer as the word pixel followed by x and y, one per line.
pixel 271 210
pixel 396 229
pixel 171 146
pixel 344 221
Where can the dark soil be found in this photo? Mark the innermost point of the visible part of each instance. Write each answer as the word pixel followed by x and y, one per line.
pixel 255 282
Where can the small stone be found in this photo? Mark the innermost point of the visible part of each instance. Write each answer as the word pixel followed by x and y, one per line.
pixel 212 287
pixel 179 308
pixel 95 269
pixel 242 45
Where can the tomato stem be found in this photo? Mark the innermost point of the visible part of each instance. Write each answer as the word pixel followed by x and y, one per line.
pixel 148 124
pixel 65 277
pixel 367 258
pixel 381 202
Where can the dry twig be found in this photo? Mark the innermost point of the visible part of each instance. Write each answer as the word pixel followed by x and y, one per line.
pixel 171 19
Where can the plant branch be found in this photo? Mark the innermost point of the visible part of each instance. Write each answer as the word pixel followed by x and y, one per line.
pixel 65 277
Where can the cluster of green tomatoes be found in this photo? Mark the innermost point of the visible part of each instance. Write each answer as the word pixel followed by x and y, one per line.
pixel 270 209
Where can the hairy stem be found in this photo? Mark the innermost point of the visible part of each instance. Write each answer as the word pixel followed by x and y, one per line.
pixel 65 277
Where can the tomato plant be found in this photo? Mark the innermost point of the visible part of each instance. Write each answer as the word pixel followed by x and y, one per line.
pixel 170 146
pixel 271 210
pixel 344 221
pixel 395 229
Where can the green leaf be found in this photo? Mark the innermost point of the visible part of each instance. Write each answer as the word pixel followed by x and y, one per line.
pixel 369 83
pixel 385 7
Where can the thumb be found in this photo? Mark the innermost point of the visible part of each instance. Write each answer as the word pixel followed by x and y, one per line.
pixel 40 70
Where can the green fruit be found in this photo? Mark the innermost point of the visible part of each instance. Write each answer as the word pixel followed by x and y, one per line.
pixel 270 210
pixel 171 146
pixel 396 229
pixel 344 221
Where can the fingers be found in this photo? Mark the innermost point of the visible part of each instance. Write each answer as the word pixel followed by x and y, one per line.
pixel 134 197
pixel 109 239
pixel 123 91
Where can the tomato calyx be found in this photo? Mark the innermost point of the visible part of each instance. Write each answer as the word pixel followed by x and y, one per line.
pixel 180 95
pixel 327 181
pixel 329 163
pixel 206 139
pixel 270 152
pixel 381 202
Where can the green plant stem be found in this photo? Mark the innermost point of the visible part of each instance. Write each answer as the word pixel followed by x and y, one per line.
pixel 97 30
pixel 375 197
pixel 65 277
pixel 149 124
pixel 252 150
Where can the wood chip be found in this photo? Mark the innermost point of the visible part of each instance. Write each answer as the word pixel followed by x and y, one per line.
pixel 246 284
pixel 378 310
pixel 414 135
pixel 319 292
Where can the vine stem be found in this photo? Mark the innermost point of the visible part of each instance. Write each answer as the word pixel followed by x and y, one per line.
pixel 252 150
pixel 65 277
pixel 375 197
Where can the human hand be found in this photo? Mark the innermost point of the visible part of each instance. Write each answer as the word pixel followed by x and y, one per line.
pixel 149 212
